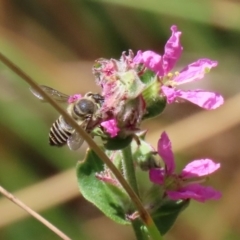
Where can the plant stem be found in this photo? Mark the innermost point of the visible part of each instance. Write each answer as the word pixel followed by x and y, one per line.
pixel 130 176
pixel 136 224
pixel 33 213
pixel 128 168
pixel 144 215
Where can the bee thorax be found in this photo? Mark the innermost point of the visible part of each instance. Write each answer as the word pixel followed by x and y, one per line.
pixel 84 107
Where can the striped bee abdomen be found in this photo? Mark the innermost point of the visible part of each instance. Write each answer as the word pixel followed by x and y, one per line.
pixel 58 135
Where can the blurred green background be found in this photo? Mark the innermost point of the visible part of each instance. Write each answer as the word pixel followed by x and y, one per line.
pixel 56 43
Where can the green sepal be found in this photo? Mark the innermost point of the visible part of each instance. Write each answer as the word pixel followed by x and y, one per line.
pixel 156 107
pixel 143 153
pixel 130 84
pixel 155 101
pixel 108 198
pixel 148 76
pixel 165 216
pixel 117 143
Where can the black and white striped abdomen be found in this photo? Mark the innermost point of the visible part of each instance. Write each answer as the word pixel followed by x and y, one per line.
pixel 59 134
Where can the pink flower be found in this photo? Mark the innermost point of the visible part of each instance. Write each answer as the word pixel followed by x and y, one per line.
pixel 186 184
pixel 74 98
pixel 162 65
pixel 111 127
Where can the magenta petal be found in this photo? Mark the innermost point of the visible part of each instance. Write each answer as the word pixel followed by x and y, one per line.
pixel 156 175
pixel 111 127
pixel 206 100
pixel 74 98
pixel 195 71
pixel 165 152
pixel 151 60
pixel 173 50
pixel 169 93
pixel 196 192
pixel 201 167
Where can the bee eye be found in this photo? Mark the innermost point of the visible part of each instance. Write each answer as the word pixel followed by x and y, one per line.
pixel 83 107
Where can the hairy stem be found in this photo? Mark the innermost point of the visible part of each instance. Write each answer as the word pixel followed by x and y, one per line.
pixel 128 168
pixel 33 213
pixel 137 230
pixel 144 215
pixel 130 176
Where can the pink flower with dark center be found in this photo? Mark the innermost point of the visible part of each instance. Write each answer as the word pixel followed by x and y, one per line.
pixel 162 65
pixel 74 98
pixel 186 184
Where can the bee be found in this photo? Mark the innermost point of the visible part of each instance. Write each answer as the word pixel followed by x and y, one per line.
pixel 83 110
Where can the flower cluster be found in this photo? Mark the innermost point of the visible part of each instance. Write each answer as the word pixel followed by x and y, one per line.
pixel 123 106
pixel 135 87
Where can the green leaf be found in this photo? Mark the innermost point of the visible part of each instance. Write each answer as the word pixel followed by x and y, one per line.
pixel 111 200
pixel 165 216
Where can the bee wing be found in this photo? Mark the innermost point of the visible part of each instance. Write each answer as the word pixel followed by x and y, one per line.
pixel 58 96
pixel 75 141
